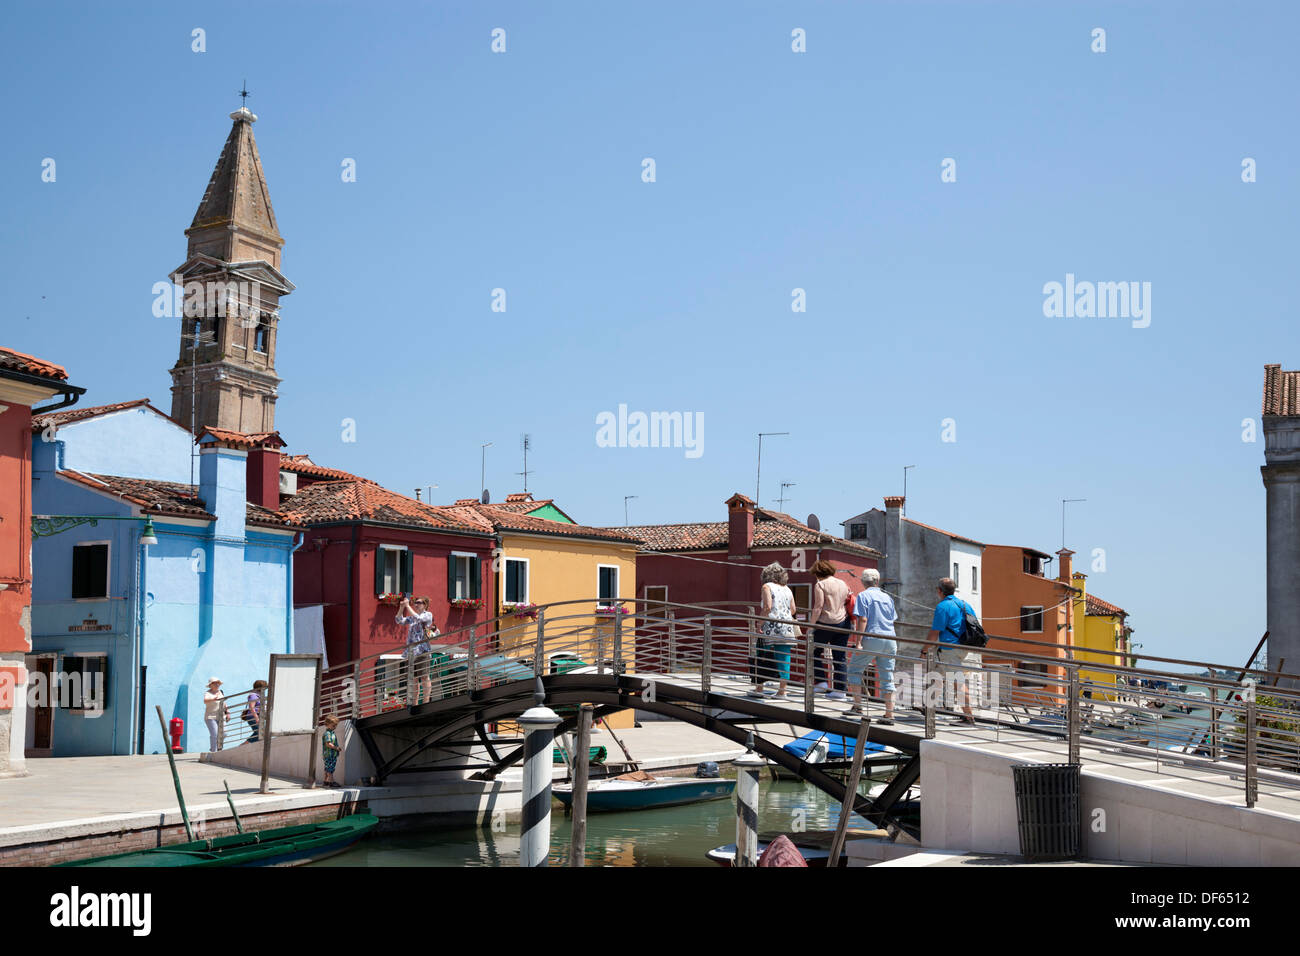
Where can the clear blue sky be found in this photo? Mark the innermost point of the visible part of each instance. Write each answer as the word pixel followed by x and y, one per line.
pixel 775 170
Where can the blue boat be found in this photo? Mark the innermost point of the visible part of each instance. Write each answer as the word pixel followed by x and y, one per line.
pixel 838 747
pixel 620 794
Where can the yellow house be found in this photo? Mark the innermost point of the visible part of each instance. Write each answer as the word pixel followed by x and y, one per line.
pixel 546 557
pixel 1098 627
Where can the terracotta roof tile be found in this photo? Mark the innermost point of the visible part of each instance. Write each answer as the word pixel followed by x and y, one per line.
pixel 772 529
pixel 41 422
pixel 302 465
pixel 170 498
pixel 1281 391
pixel 240 439
pixel 357 499
pixel 31 365
pixel 1100 608
pixel 506 519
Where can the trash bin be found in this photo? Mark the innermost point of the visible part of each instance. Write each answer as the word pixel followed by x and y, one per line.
pixel 1047 810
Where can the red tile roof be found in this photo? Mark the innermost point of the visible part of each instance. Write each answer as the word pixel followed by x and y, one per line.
pixel 499 518
pixel 31 365
pixel 356 499
pixel 772 529
pixel 1281 391
pixel 303 465
pixel 955 537
pixel 1096 606
pixel 242 440
pixel 169 498
pixel 41 422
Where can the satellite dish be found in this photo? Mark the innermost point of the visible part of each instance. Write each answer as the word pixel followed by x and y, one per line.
pixel 486 497
pixel 814 522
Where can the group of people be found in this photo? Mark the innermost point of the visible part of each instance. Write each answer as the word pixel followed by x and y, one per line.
pixel 216 713
pixel 859 632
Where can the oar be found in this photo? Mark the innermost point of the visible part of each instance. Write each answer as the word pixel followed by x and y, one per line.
pixel 621 746
pixel 233 812
pixel 171 759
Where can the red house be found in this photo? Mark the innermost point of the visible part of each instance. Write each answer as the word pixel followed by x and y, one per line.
pixel 24 381
pixel 365 545
pixel 720 562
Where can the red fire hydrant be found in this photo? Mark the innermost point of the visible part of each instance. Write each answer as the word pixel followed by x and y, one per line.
pixel 177 728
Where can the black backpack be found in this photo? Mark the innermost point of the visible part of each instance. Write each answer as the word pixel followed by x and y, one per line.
pixel 973 635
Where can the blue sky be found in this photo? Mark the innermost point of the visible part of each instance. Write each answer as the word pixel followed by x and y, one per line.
pixel 774 171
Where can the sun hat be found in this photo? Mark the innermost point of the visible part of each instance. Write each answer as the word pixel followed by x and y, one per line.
pixel 214 680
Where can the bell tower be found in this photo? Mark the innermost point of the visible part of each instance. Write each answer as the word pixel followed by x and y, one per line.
pixel 225 373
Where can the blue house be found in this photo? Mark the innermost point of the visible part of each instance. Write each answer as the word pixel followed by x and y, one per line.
pixel 122 624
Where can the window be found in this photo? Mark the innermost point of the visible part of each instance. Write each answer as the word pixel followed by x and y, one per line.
pixel 956 575
pixel 1033 565
pixel 857 532
pixel 607 584
pixel 262 336
pixel 802 598
pixel 394 570
pixel 90 570
pixel 462 576
pixel 516 589
pixel 656 600
pixel 84 682
pixel 974 579
pixel 1031 620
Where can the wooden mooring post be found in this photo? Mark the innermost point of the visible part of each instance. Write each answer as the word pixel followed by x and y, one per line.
pixel 850 794
pixel 581 764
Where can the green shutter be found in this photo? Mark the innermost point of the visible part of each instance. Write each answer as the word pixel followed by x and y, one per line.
pixel 473 577
pixel 379 570
pixel 408 572
pixel 451 577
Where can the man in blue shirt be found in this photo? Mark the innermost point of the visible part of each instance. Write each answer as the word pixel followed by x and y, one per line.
pixel 873 638
pixel 948 626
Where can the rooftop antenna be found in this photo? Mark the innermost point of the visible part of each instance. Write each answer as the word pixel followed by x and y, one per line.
pixel 526 443
pixel 198 338
pixel 758 481
pixel 626 499
pixel 482 474
pixel 905 467
pixel 1064 502
pixel 782 499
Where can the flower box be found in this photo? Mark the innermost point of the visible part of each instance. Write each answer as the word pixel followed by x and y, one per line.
pixel 520 610
pixel 466 604
pixel 611 610
pixel 393 600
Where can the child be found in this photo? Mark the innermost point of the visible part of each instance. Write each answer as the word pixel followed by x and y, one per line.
pixel 330 749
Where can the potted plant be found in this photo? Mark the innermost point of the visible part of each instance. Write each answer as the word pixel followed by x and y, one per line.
pixel 466 604
pixel 611 610
pixel 521 610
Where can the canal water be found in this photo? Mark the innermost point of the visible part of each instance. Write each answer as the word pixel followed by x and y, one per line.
pixel 676 836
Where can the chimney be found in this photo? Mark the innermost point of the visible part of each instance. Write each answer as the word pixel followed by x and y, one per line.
pixel 264 474
pixel 740 524
pixel 891 574
pixel 223 478
pixel 1063 566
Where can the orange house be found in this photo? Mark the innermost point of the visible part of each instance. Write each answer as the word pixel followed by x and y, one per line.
pixel 1022 605
pixel 24 381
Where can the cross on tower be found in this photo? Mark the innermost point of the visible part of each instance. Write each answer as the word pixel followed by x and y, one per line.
pixel 243 94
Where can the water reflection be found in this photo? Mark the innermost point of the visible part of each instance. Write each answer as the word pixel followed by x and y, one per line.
pixel 675 836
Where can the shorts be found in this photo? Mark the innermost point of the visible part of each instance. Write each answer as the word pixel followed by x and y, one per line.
pixel 957 658
pixel 879 652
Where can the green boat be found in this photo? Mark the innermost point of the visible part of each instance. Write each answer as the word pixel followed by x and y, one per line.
pixel 283 846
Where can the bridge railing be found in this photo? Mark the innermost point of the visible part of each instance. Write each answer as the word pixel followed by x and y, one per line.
pixel 1054 690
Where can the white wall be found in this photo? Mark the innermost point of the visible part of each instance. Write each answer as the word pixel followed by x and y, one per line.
pixel 967 557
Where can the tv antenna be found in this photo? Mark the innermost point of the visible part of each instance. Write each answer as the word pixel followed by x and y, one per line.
pixel 781 498
pixel 526 443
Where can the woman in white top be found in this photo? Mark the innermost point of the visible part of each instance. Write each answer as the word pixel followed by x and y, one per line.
pixel 214 713
pixel 830 621
pixel 778 634
pixel 416 617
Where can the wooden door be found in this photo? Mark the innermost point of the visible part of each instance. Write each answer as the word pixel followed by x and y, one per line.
pixel 42 715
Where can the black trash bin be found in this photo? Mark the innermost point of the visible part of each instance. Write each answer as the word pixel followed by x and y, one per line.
pixel 1047 808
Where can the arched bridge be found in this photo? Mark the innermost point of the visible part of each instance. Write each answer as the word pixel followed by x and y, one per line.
pixel 696 664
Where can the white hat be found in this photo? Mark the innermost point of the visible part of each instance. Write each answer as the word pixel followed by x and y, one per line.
pixel 214 680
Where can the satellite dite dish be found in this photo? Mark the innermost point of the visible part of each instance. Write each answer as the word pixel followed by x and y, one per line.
pixel 814 522
pixel 487 498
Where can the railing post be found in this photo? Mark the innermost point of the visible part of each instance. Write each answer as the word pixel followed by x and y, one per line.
pixel 539 652
pixel 1072 714
pixel 927 692
pixel 618 642
pixel 809 651
pixel 1214 733
pixel 411 690
pixel 472 662
pixel 706 654
pixel 600 649
pixel 356 690
pixel 1252 771
pixel 672 641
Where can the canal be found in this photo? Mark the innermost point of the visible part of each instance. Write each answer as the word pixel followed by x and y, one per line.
pixel 675 836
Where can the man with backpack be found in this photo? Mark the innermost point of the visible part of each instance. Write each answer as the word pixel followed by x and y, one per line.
pixel 957 629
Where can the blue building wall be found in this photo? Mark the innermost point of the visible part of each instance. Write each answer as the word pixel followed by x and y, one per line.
pixel 135 443
pixel 210 599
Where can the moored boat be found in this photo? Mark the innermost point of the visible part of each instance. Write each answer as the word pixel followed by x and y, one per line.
pixel 608 796
pixel 282 846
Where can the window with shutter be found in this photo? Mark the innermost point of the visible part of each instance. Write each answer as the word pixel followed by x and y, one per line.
pixel 474 577
pixel 516 585
pixel 607 584
pixel 408 572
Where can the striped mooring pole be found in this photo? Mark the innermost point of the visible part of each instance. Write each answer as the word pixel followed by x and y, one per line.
pixel 748 767
pixel 539 723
